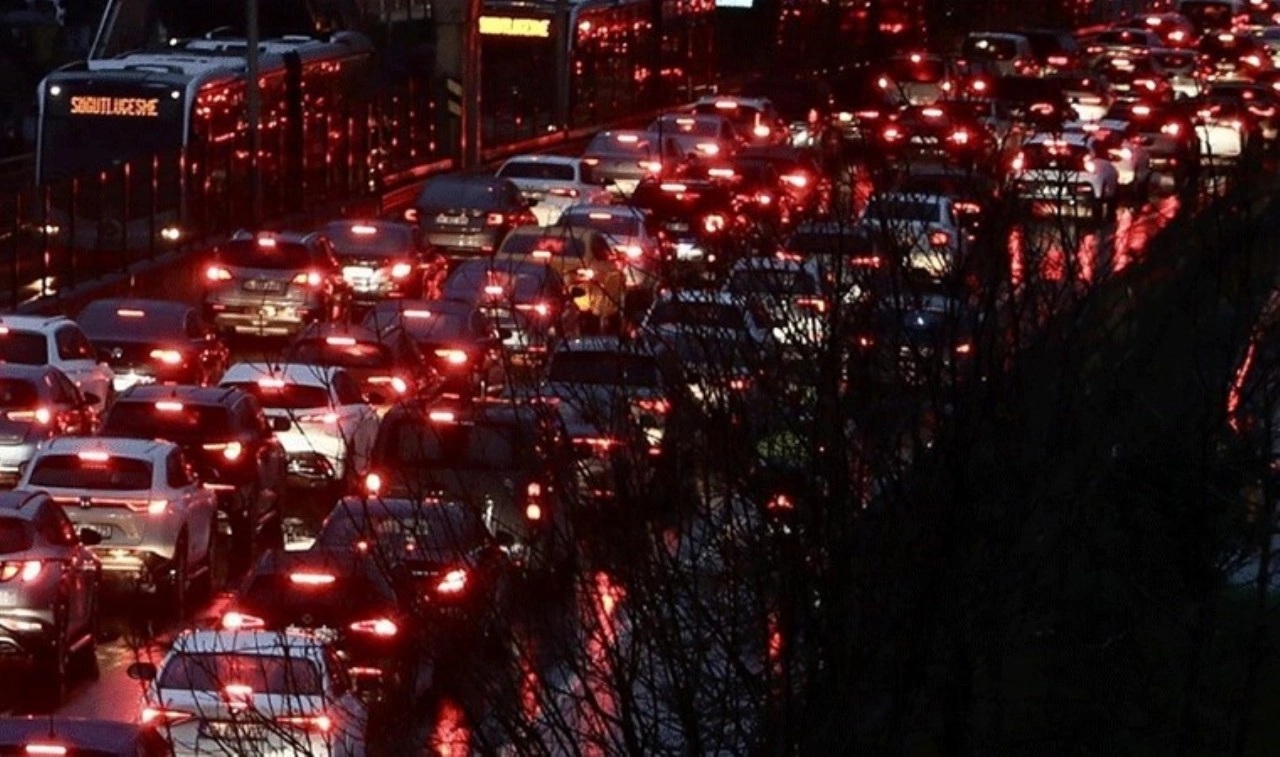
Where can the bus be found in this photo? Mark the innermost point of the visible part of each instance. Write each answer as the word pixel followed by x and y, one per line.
pixel 146 147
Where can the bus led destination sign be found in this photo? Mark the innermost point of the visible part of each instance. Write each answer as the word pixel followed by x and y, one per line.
pixel 507 26
pixel 129 107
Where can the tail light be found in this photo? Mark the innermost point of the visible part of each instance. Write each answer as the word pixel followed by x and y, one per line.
pixel 708 148
pixel 721 173
pixel 373 483
pixel 1177 35
pixel 411 215
pixel 865 261
pixel 1147 84
pixel 882 83
pixel 978 85
pixel 965 208
pixel 493 290
pixel 453 357
pixel 585 274
pixel 658 406
pixel 317 723
pixel 740 383
pixel 599 443
pixel 217 273
pixel 563 192
pixel 238 621
pixel 231 451
pixel 157 506
pixel 49 750
pixel 939 238
pixel 960 137
pixel 652 166
pixel 797 180
pixel 26 570
pixel 400 270
pixel 495 219
pixel 813 303
pixel 866 341
pixel 780 502
pixel 539 308
pixel 630 250
pixel 964 348
pixel 1058 60
pixel 764 198
pixel 441 416
pixel 309 278
pixel 1090 165
pixel 158 715
pixel 168 357
pixel 381 627
pixel 713 223
pixel 325 418
pixel 41 415
pixel 1170 129
pixel 311 579
pixel 892 134
pixel 762 131
pixel 453 582
pixel 590 161
pixel 1252 60
pixel 399 385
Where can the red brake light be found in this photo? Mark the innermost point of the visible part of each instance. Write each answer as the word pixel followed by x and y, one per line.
pixel 217 273
pixel 453 582
pixel 169 406
pixel 964 348
pixel 311 579
pixel 162 715
pixel 797 180
pixel 236 621
pixel 41 415
pixel 168 357
pixel 52 750
pixel 27 570
pixel 411 215
pixel 1019 161
pixel 813 303
pixel 441 416
pixel 453 357
pixel 563 192
pixel 652 166
pixel 960 137
pixel 340 341
pixel 130 313
pixel 1171 129
pixel 713 223
pixel 659 405
pixel 310 278
pixel 939 238
pixel 892 134
pixel 321 723
pixel 400 270
pixel 380 627
pixel 495 219
pixel 373 483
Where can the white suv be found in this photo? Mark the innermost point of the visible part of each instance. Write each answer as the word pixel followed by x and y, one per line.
pixel 253 692
pixel 57 341
pixel 552 183
pixel 923 230
pixel 142 498
pixel 1066 171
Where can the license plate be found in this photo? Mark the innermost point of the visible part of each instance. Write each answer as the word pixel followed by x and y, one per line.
pixel 101 529
pixel 8 598
pixel 223 731
pixel 357 272
pixel 264 285
pixel 449 220
pixel 329 635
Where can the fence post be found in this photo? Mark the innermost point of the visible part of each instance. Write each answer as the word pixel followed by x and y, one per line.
pixel 73 248
pixel 126 175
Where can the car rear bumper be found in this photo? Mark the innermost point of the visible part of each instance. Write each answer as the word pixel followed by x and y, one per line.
pixel 470 241
pixel 259 319
pixel 24 634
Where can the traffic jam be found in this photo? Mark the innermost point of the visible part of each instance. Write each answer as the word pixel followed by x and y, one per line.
pixel 381 447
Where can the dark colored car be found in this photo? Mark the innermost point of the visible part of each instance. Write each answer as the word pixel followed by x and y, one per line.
pixel 154 341
pixel 800 171
pixel 621 159
pixel 37 402
pixel 383 259
pixel 456 338
pixel 66 736
pixel 230 443
pixel 337 594
pixel 1041 104
pixel 507 460
pixel 468 215
pixel 526 300
pixel 273 283
pixel 696 218
pixel 922 340
pixel 453 569
pixel 936 132
pixel 1260 100
pixel 387 364
pixel 974 194
pixel 1055 50
pixel 756 186
pixel 49 589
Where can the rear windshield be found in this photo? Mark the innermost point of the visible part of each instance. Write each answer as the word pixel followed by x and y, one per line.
pixel 613 224
pixel 460 194
pixel 904 209
pixel 769 281
pixel 700 314
pixel 924 71
pixel 420 532
pixel 133 322
pixel 280 256
pixel 426 324
pixel 481 446
pixel 1175 60
pixel 285 397
pixel 698 127
pixel 475 279
pixel 605 368
pixel 990 48
pixel 630 145
pixel 526 244
pixel 265 674
pixel 339 351
pixel 521 169
pixel 18 394
pixel 23 348
pixel 176 421
pixel 16 535
pixel 75 472
pixel 358 239
pixel 1054 155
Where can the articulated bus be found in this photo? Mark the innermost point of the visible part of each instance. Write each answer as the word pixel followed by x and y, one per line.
pixel 143 148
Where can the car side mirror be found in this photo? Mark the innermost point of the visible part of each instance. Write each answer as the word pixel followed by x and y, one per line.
pixel 90 398
pixel 279 423
pixel 577 292
pixel 141 671
pixel 90 538
pixel 505 539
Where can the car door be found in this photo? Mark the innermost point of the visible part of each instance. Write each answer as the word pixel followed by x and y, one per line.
pixel 55 529
pixel 191 502
pixel 269 455
pixel 72 414
pixel 357 420
pixel 77 358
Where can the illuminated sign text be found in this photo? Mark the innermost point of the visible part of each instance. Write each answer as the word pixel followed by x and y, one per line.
pixel 505 26
pixel 131 107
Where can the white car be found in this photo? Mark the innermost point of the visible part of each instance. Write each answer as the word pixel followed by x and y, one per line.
pixel 681 136
pixel 331 426
pixel 1125 148
pixel 792 290
pixel 57 341
pixel 923 230
pixel 142 497
pixel 1221 133
pixel 253 692
pixel 1064 170
pixel 710 315
pixel 552 183
pixel 630 235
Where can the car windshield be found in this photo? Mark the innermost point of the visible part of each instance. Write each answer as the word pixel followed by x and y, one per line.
pixel 284 396
pixel 23 348
pixel 263 674
pixel 628 145
pixel 699 314
pixel 479 446
pixel 425 324
pixel 475 278
pixel 773 281
pixel 605 368
pixel 133 322
pixel 347 352
pixel 16 535
pixel 918 71
pixel 92 471
pixel 353 240
pixel 904 209
pixel 990 48
pixel 267 253
pixel 408 531
pixel 613 224
pixel 450 193
pixel 530 169
pixel 177 421
pixel 18 394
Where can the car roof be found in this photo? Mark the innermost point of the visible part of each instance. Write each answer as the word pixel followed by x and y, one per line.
pixel 267 643
pixel 28 372
pixel 32 322
pixel 304 374
pixel 320 330
pixel 199 395
pixel 303 238
pixel 99 736
pixel 377 223
pixel 551 160
pixel 13 504
pixel 613 210
pixel 174 308
pixel 142 449
pixel 604 344
pixel 483 180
